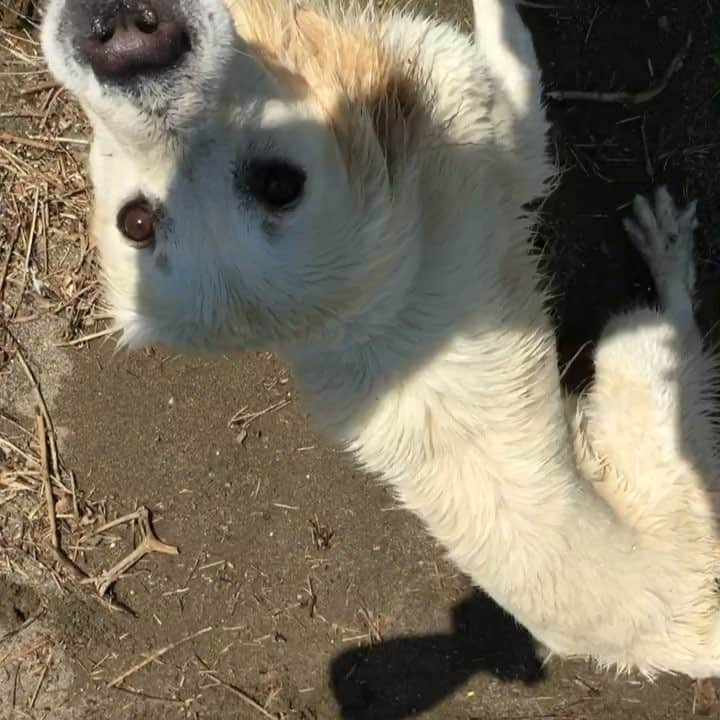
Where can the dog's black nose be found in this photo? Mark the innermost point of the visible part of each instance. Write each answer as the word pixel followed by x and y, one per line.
pixel 129 38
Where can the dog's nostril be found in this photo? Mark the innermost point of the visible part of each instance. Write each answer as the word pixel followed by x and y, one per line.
pixel 101 29
pixel 134 39
pixel 147 21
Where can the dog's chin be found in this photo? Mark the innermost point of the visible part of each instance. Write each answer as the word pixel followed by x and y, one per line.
pixel 165 102
pixel 136 332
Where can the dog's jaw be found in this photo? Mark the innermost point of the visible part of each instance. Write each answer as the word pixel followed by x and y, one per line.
pixel 170 102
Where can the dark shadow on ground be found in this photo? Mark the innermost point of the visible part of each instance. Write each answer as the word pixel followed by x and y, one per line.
pixel 405 676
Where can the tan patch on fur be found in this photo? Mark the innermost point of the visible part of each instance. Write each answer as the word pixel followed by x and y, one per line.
pixel 337 60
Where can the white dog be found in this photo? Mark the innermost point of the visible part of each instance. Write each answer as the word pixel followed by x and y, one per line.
pixel 347 187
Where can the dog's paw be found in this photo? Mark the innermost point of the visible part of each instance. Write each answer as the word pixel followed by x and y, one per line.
pixel 663 234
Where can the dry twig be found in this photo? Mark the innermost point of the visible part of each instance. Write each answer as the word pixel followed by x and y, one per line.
pixel 238 693
pixel 705 697
pixel 45 669
pixel 154 656
pixel 149 544
pixel 47 483
pixel 624 97
pixel 243 418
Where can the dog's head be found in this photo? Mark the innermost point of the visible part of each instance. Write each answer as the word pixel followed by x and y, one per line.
pixel 242 164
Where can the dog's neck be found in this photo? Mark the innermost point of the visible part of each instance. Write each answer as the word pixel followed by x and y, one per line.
pixel 473 309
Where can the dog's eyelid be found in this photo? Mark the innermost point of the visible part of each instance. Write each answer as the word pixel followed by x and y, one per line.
pixel 275 181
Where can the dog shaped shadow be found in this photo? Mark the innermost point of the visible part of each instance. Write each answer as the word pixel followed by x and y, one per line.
pixel 404 676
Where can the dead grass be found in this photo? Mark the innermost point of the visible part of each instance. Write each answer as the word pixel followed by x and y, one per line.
pixel 51 532
pixel 46 263
pixel 48 269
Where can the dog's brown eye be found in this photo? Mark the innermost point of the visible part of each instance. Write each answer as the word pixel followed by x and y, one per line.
pixel 136 221
pixel 275 183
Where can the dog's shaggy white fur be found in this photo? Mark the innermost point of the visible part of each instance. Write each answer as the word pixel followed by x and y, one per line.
pixel 401 287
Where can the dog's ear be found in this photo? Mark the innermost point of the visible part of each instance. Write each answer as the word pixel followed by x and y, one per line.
pixel 368 81
pixel 368 98
pixel 394 112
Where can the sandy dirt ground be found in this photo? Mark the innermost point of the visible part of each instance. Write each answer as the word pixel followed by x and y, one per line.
pixel 300 589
